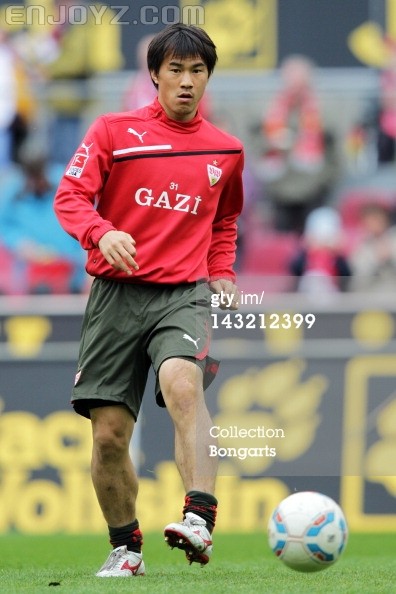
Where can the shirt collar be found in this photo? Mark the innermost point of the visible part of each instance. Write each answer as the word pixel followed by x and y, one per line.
pixel 158 112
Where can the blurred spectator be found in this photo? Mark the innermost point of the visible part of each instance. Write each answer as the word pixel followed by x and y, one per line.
pixel 373 261
pixel 8 99
pixel 82 51
pixel 79 45
pixel 249 216
pixel 41 257
pixel 299 164
pixel 141 90
pixel 321 265
pixel 26 108
pixel 373 138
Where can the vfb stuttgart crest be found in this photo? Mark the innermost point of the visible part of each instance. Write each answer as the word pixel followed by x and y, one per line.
pixel 214 174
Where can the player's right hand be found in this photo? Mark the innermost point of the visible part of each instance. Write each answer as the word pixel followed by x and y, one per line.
pixel 119 250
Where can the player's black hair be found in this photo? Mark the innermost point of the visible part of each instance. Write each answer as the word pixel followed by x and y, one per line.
pixel 181 41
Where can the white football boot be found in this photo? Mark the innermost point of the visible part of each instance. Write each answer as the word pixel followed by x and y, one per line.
pixel 122 563
pixel 192 537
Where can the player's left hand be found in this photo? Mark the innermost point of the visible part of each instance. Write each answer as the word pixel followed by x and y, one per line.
pixel 228 292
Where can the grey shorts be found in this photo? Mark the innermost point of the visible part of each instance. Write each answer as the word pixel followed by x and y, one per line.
pixel 129 327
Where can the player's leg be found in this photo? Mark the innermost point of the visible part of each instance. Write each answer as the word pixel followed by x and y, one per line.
pixel 178 348
pixel 113 475
pixel 181 385
pixel 108 390
pixel 116 485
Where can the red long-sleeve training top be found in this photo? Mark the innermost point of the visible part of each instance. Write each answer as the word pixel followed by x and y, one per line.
pixel 175 187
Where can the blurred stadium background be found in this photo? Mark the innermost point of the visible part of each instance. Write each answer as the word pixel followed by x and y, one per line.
pixel 330 388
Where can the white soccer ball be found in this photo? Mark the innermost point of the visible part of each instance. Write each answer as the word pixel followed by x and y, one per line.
pixel 308 531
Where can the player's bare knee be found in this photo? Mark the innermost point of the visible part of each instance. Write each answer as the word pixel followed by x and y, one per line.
pixel 182 396
pixel 181 385
pixel 110 444
pixel 112 429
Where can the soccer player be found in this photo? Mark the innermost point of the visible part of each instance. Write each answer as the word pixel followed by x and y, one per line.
pixel 154 196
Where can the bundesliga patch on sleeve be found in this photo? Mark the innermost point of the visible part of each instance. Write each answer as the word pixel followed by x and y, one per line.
pixel 79 161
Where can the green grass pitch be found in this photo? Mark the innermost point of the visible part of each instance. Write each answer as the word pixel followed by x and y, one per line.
pixel 240 563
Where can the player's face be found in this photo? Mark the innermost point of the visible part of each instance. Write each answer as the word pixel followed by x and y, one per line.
pixel 181 84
